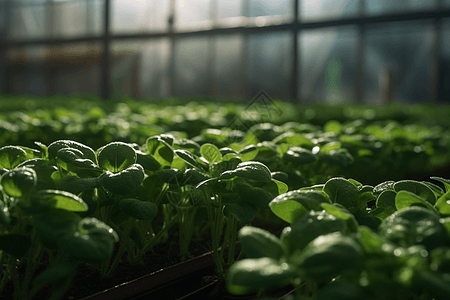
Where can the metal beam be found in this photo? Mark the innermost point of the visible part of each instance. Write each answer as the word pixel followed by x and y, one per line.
pixel 248 25
pixel 295 80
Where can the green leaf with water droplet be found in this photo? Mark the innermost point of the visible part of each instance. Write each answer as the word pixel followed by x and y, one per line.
pixel 11 156
pixel 123 182
pixel 291 205
pixel 19 182
pixel 250 170
pixel 417 188
pixel 342 191
pixel 414 226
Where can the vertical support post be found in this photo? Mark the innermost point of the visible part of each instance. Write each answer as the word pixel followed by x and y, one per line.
pixel 387 84
pixel 106 56
pixel 360 55
pixel 295 55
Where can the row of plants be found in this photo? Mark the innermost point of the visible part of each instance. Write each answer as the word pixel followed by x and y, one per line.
pixel 71 117
pixel 346 240
pixel 368 146
pixel 70 204
pixel 208 170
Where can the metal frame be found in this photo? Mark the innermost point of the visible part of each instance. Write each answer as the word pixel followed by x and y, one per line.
pixel 247 26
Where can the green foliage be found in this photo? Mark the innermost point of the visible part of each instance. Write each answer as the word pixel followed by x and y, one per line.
pixel 19 182
pixel 249 170
pixel 289 206
pixel 11 156
pixel 123 182
pixel 332 250
pixel 174 165
pixel 116 157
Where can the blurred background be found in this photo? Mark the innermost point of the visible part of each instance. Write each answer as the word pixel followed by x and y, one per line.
pixel 356 51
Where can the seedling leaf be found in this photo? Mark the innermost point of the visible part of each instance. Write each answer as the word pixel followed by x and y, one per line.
pixel 123 182
pixel 291 205
pixel 141 210
pixel 211 153
pixel 19 182
pixel 405 199
pixel 63 200
pixel 11 156
pixel 249 275
pixel 417 188
pixel 116 157
pixel 258 243
pixel 251 170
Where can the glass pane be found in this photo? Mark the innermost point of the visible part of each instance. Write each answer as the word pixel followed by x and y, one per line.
pixel 191 66
pixel 269 60
pixel 126 59
pixel 28 21
pixel 270 8
pixel 139 15
pixel 383 6
pixel 229 67
pixel 3 12
pixel 327 65
pixel 192 12
pixel 95 15
pixel 154 69
pixel 78 18
pixel 310 10
pixel 229 9
pixel 397 62
pixel 444 64
pixel 25 71
pixel 74 69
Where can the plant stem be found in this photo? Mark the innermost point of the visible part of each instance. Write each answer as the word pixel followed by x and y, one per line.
pixel 32 262
pixel 159 235
pixel 186 221
pixel 5 276
pixel 232 234
pixel 15 278
pixel 216 221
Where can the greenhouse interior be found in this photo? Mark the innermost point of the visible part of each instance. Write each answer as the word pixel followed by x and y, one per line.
pixel 225 149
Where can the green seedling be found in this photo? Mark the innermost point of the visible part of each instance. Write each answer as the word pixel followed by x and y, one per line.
pixel 327 247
